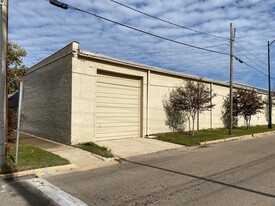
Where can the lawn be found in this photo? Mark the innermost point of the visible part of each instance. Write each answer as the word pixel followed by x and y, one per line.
pixel 30 157
pixel 184 138
pixel 96 149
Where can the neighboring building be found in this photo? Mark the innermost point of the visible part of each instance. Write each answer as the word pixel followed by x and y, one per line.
pixel 75 96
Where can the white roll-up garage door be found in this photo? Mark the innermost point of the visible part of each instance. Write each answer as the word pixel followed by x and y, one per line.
pixel 117 106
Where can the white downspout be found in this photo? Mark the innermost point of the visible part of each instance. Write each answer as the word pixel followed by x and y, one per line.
pixel 147 104
pixel 211 110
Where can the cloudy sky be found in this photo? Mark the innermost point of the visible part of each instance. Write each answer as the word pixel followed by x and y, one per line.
pixel 41 29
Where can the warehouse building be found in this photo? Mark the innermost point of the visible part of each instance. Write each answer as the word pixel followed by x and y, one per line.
pixel 75 96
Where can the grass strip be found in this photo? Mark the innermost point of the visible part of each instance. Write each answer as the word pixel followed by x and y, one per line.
pixel 95 149
pixel 30 157
pixel 184 138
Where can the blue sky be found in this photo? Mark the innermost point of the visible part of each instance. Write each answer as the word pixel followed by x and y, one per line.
pixel 42 29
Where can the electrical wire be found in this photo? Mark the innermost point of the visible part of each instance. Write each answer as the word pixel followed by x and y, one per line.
pixel 141 31
pixel 249 59
pixel 165 38
pixel 251 53
pixel 253 61
pixel 257 70
pixel 166 21
pixel 156 52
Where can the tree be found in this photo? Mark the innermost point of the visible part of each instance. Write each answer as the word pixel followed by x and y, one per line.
pixel 16 69
pixel 226 113
pixel 192 99
pixel 246 103
pixel 175 119
pixel 249 103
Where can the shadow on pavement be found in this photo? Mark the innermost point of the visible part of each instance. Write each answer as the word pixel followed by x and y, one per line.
pixel 27 192
pixel 223 173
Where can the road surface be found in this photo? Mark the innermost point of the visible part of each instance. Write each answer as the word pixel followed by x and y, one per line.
pixel 235 173
pixel 18 192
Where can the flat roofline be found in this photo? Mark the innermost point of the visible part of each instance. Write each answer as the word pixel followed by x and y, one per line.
pixel 36 66
pixel 91 55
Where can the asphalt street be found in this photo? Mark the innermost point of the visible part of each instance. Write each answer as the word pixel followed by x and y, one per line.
pixel 18 192
pixel 234 173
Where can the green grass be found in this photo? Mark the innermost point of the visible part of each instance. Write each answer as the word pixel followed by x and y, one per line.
pixel 30 157
pixel 184 138
pixel 96 149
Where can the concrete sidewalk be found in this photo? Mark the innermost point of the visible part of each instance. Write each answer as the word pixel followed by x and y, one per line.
pixel 83 160
pixel 130 147
pixel 79 159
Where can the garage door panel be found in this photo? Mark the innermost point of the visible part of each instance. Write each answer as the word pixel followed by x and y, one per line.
pixel 117 124
pixel 116 100
pixel 118 81
pixel 121 96
pixel 117 135
pixel 114 129
pixel 117 107
pixel 116 88
pixel 112 105
pixel 117 115
pixel 131 110
pixel 114 119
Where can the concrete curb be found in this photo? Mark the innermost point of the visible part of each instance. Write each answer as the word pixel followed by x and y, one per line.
pixel 41 172
pixel 111 159
pixel 244 137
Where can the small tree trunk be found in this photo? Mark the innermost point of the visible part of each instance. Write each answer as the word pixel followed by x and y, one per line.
pixel 189 121
pixel 246 121
pixel 189 124
pixel 193 129
pixel 249 120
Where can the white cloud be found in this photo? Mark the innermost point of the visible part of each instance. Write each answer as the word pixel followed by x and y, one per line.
pixel 42 29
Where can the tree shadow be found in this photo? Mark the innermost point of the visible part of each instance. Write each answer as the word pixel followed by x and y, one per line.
pixel 226 114
pixel 29 193
pixel 175 120
pixel 222 173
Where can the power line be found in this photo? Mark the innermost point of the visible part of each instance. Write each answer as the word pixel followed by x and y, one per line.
pixel 243 38
pixel 251 53
pixel 255 69
pixel 253 61
pixel 166 21
pixel 241 61
pixel 157 52
pixel 250 59
pixel 67 6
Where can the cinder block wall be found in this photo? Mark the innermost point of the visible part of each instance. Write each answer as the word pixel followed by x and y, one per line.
pixel 162 84
pixel 160 87
pixel 47 100
pixel 60 96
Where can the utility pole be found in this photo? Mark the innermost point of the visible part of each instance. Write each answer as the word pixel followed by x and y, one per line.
pixel 269 89
pixel 231 78
pixel 3 79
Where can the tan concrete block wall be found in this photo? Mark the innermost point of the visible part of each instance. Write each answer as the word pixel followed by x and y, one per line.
pixel 47 100
pixel 83 96
pixel 221 93
pixel 83 101
pixel 160 87
pixel 258 119
pixel 60 98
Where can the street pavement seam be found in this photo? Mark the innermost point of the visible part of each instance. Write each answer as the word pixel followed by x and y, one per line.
pixel 55 193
